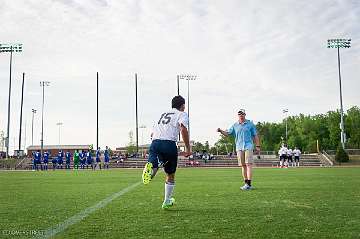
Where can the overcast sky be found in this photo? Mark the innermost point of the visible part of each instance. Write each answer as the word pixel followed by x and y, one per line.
pixel 263 56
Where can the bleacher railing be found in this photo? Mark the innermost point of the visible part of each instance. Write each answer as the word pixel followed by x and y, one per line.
pixel 325 156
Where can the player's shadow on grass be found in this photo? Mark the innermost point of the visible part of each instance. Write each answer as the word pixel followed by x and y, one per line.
pixel 176 210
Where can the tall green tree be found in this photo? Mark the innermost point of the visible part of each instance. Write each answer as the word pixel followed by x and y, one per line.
pixel 304 131
pixel 352 127
pixel 226 144
pixel 197 147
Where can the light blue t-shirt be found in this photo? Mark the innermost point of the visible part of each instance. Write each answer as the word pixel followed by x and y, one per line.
pixel 244 134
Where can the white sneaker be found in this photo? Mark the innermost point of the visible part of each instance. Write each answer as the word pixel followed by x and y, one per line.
pixel 245 187
pixel 168 204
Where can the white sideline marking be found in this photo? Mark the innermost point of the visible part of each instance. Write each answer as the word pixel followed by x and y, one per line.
pixel 81 215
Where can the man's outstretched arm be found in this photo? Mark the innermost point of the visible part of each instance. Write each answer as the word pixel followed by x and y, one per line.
pixel 223 132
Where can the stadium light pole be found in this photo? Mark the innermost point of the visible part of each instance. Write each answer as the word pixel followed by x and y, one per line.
pixel 43 84
pixel 25 135
pixel 285 111
pixel 142 127
pixel 32 126
pixel 21 109
pixel 178 85
pixel 59 124
pixel 97 110
pixel 136 112
pixel 2 141
pixel 14 47
pixel 188 77
pixel 178 91
pixel 340 43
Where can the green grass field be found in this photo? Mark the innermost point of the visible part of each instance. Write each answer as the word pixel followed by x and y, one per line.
pixel 286 203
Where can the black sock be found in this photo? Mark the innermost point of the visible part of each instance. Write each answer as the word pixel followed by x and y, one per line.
pixel 249 182
pixel 246 181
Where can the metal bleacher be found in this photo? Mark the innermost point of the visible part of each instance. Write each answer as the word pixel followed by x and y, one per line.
pixel 307 160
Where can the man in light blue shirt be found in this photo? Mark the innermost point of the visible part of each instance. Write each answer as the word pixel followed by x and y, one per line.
pixel 245 134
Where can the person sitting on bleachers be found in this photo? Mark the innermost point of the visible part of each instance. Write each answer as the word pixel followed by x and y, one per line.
pixel 205 157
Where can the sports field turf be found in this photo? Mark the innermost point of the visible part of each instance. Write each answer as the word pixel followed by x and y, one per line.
pixel 286 203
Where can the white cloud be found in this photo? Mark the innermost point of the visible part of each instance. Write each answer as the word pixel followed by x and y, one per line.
pixel 261 55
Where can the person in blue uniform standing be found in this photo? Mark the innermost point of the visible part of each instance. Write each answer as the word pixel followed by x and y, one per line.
pixel 60 159
pixel 98 160
pixel 67 160
pixel 37 160
pixel 89 160
pixel 82 159
pixel 107 157
pixel 46 159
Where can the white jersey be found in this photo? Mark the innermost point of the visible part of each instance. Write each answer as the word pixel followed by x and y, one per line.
pixel 289 152
pixel 168 125
pixel 297 152
pixel 283 151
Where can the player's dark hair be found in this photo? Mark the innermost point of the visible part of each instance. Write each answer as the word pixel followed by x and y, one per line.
pixel 177 102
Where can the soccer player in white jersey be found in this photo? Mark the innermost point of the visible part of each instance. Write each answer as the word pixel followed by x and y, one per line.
pixel 163 148
pixel 283 152
pixel 297 154
pixel 290 157
pixel 280 156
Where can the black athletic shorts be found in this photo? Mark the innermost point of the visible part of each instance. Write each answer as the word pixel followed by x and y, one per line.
pixel 165 152
pixel 290 158
pixel 297 158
